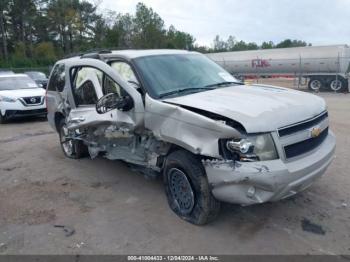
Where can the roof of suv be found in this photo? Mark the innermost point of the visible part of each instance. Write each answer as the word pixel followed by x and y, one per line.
pixel 130 53
pixel 148 52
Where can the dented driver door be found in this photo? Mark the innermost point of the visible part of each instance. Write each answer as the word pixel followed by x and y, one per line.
pixel 91 79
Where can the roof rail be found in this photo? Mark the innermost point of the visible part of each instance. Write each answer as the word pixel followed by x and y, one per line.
pixel 95 54
pixel 72 55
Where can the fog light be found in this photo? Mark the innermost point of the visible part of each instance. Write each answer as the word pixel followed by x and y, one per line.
pixel 251 192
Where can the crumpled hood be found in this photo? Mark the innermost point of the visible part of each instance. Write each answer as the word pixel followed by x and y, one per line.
pixel 258 108
pixel 18 93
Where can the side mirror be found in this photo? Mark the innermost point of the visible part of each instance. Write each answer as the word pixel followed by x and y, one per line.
pixel 114 101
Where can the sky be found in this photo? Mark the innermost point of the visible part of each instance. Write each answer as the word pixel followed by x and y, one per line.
pixel 320 22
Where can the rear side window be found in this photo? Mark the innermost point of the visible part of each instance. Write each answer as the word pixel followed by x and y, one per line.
pixel 57 79
pixel 124 70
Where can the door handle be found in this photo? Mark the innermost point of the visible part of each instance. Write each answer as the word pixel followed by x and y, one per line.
pixel 77 119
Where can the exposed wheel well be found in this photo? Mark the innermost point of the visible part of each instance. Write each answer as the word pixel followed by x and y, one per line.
pixel 58 117
pixel 173 148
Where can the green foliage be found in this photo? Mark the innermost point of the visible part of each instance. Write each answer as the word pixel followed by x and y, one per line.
pixel 19 57
pixel 291 43
pixel 44 53
pixel 149 31
pixel 178 40
pixel 220 45
pixel 267 45
pixel 37 32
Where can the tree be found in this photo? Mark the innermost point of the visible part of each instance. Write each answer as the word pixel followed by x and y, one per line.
pixel 44 53
pixel 202 49
pixel 149 29
pixel 231 42
pixel 4 4
pixel 86 22
pixel 22 15
pixel 291 43
pixel 267 45
pixel 19 56
pixel 219 45
pixel 37 32
pixel 178 39
pixel 71 22
pixel 126 28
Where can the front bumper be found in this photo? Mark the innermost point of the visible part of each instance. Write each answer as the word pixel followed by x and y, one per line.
pixel 18 109
pixel 258 182
pixel 23 113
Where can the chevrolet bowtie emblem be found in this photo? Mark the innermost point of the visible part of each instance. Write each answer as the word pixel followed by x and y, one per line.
pixel 315 132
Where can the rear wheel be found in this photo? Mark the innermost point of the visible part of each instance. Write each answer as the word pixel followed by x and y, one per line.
pixel 2 119
pixel 71 148
pixel 187 188
pixel 315 84
pixel 337 85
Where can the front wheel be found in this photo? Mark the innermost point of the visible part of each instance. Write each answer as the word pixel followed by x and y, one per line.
pixel 71 148
pixel 187 188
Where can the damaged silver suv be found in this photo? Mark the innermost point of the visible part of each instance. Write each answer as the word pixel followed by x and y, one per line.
pixel 178 114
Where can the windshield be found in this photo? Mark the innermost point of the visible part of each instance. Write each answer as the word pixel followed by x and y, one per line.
pixel 37 75
pixel 169 74
pixel 16 82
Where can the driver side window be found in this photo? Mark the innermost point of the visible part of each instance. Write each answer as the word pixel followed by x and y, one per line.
pixel 86 94
pixel 110 86
pixel 89 83
pixel 86 81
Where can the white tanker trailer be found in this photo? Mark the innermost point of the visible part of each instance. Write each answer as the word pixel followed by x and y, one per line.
pixel 326 67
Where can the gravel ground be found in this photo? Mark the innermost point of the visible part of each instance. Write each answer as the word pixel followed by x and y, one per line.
pixel 109 209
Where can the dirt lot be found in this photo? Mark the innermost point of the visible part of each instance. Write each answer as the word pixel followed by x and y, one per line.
pixel 114 210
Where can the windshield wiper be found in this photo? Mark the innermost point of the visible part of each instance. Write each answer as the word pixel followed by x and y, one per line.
pixel 178 91
pixel 224 84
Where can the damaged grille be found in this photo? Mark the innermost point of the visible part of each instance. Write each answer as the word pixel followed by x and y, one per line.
pixel 302 125
pixel 306 145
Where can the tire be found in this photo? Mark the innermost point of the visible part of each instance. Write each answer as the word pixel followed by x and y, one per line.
pixel 74 149
pixel 315 84
pixel 3 119
pixel 337 85
pixel 187 188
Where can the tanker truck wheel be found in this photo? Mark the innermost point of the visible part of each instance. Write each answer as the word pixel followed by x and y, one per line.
pixel 337 85
pixel 315 84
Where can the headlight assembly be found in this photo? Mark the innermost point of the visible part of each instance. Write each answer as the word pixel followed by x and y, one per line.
pixel 253 148
pixel 7 99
